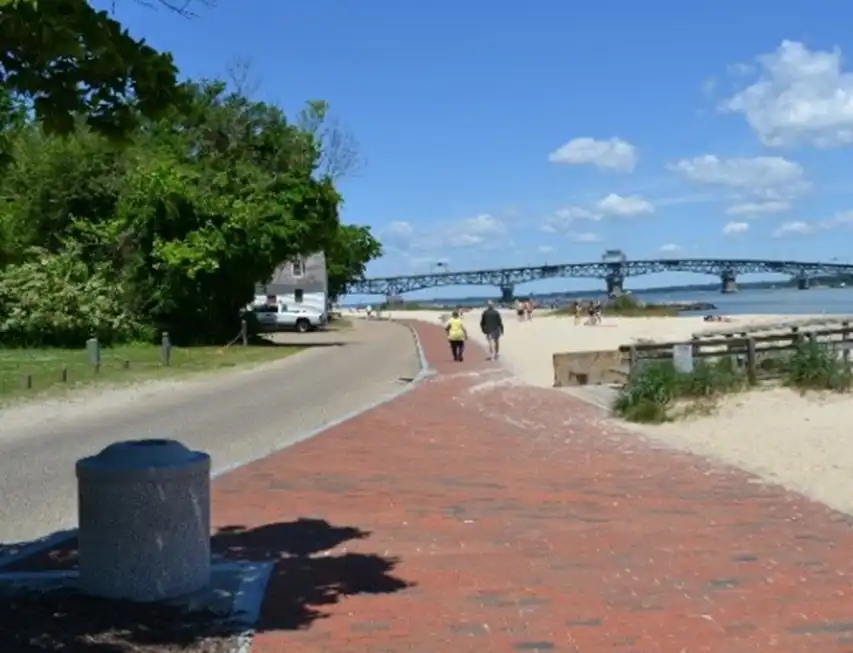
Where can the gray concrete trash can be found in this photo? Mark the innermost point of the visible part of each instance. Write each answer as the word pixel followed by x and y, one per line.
pixel 144 513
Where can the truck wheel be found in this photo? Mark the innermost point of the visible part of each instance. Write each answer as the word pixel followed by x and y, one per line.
pixel 302 325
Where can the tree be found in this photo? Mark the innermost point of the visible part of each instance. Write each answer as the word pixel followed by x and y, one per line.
pixel 347 256
pixel 70 60
pixel 176 227
pixel 339 151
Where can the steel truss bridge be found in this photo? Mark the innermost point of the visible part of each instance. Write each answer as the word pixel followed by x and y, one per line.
pixel 613 273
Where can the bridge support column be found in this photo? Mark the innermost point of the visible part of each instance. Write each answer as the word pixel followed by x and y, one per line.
pixel 507 293
pixel 615 284
pixel 729 282
pixel 803 283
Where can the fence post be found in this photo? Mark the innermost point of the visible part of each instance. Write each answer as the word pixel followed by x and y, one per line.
pixel 93 349
pixel 166 349
pixel 632 358
pixel 798 337
pixel 751 363
pixel 29 382
pixel 845 342
pixel 63 375
pixel 244 332
pixel 695 341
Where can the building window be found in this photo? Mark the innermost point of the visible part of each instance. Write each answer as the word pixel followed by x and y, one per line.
pixel 298 268
pixel 298 295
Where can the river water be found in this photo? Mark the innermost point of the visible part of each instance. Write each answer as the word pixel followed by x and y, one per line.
pixel 782 301
pixel 774 301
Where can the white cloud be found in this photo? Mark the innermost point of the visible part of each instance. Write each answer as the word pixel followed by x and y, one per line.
pixel 794 228
pixel 733 229
pixel 616 205
pixel 798 96
pixel 583 237
pixel 755 209
pixel 576 213
pixel 611 206
pixel 473 231
pixel 802 228
pixel 613 154
pixel 482 231
pixel 757 185
pixel 670 248
pixel 398 233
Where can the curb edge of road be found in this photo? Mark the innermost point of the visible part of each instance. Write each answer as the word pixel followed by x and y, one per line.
pixel 49 542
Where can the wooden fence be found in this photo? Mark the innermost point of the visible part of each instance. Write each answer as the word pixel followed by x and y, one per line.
pixel 809 323
pixel 757 353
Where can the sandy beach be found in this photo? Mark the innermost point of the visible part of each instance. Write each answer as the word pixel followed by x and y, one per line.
pixel 801 442
pixel 527 347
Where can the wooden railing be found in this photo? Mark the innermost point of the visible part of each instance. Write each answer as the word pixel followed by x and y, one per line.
pixel 745 330
pixel 756 352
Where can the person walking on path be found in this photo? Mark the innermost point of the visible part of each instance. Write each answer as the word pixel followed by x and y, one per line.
pixel 456 336
pixel 492 326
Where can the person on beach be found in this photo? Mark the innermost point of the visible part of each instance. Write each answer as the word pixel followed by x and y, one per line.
pixel 578 313
pixel 528 309
pixel 492 326
pixel 519 310
pixel 456 336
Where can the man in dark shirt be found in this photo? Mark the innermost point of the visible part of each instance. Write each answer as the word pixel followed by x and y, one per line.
pixel 492 326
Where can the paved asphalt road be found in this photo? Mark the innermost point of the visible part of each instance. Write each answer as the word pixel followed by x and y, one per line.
pixel 236 417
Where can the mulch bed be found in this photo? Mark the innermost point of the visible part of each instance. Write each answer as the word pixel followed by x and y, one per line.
pixel 64 620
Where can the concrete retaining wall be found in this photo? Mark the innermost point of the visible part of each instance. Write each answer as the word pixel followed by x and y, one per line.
pixel 577 368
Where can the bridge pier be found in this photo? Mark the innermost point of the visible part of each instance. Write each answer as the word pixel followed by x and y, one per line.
pixel 729 282
pixel 507 293
pixel 803 283
pixel 615 284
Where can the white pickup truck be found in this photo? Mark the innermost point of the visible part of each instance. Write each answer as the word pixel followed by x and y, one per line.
pixel 279 317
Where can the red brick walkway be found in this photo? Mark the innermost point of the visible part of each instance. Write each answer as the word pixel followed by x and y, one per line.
pixel 508 518
pixel 472 514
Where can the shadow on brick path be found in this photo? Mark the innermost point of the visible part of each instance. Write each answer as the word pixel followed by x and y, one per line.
pixel 307 576
pixel 302 582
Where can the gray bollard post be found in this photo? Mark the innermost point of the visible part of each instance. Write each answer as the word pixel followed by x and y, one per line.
pixel 166 349
pixel 144 521
pixel 93 350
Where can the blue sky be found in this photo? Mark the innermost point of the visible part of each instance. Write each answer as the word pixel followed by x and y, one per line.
pixel 502 134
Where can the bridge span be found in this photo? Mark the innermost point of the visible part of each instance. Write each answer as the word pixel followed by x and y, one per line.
pixel 613 273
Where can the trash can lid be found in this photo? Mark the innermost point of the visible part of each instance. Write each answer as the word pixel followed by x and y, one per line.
pixel 143 454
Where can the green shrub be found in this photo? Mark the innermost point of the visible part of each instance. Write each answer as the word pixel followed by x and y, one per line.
pixel 817 366
pixel 654 385
pixel 651 387
pixel 711 378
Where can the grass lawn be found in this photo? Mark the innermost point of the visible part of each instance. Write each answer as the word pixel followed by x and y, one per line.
pixel 37 371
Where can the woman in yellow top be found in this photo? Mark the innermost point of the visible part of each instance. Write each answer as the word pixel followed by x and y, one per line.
pixel 456 336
